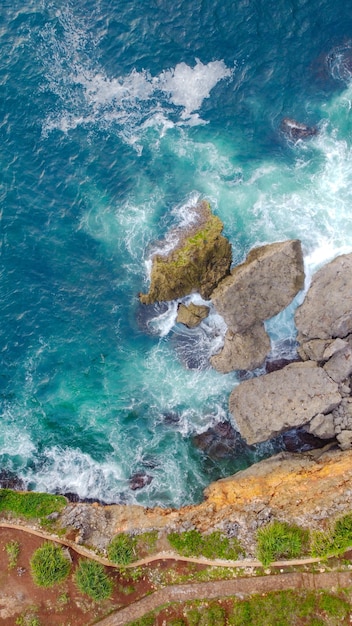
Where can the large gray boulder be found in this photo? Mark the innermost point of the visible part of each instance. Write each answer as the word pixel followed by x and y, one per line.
pixel 242 351
pixel 265 406
pixel 260 287
pixel 327 309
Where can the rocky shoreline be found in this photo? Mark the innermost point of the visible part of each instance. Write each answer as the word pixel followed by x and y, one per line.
pixel 312 394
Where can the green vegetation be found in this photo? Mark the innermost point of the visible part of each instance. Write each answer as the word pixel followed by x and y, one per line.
pixel 279 608
pixel 212 546
pixel 30 504
pixel 122 549
pixel 335 540
pixel 91 579
pixel 27 619
pixel 287 608
pixel 146 620
pixel 280 540
pixel 12 549
pixel 49 565
pixel 147 541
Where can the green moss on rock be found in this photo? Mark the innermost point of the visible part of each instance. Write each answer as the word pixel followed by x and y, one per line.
pixel 199 261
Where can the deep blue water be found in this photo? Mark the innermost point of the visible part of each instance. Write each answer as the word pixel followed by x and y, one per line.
pixel 115 117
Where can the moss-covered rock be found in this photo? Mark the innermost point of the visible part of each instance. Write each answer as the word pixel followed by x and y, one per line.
pixel 200 259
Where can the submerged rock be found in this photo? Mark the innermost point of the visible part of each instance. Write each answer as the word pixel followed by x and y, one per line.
pixel 242 351
pixel 219 441
pixel 264 284
pixel 192 314
pixel 198 262
pixel 296 130
pixel 139 480
pixel 266 406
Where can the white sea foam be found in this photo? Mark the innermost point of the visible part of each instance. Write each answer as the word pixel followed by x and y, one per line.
pixel 70 470
pixel 130 103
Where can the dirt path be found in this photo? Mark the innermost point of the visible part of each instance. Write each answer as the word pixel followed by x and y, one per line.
pixel 160 556
pixel 223 588
pixel 208 590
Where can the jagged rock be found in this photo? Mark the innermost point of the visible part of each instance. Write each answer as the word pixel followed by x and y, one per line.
pixel 191 315
pixel 333 348
pixel 323 316
pixel 314 349
pixel 299 440
pixel 296 130
pixel 260 287
pixel 219 441
pixel 198 261
pixel 265 406
pixel 322 426
pixel 275 365
pixel 339 367
pixel 10 480
pixel 242 351
pixel 345 439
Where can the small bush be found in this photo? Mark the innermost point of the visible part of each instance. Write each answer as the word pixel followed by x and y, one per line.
pixel 280 540
pixel 12 550
pixel 91 579
pixel 49 565
pixel 121 550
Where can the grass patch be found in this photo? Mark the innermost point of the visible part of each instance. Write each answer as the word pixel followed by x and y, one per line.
pixel 212 546
pixel 30 504
pixel 12 549
pixel 49 565
pixel 91 579
pixel 280 540
pixel 335 540
pixel 122 549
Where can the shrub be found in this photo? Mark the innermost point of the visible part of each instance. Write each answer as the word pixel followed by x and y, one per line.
pixel 280 540
pixel 12 550
pixel 49 565
pixel 91 579
pixel 121 550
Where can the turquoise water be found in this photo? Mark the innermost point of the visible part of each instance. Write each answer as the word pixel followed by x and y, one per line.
pixel 115 119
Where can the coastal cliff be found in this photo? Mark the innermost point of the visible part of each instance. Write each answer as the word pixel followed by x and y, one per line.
pixel 308 489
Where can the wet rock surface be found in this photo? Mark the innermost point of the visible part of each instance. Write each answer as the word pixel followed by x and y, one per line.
pixel 192 314
pixel 219 441
pixel 295 130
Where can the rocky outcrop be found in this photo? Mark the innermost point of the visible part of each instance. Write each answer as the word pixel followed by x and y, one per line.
pixel 296 130
pixel 242 351
pixel 327 308
pixel 199 260
pixel 308 489
pixel 256 290
pixel 265 406
pixel 192 314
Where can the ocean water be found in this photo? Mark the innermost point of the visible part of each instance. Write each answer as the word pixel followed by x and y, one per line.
pixel 115 119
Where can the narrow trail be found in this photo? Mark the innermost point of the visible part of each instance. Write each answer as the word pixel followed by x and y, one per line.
pixel 241 586
pixel 160 556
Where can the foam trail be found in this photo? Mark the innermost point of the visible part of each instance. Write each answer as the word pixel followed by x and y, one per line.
pixel 129 103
